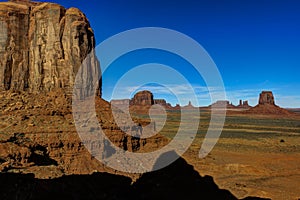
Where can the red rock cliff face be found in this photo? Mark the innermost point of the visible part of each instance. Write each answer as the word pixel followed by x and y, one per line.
pixel 42 46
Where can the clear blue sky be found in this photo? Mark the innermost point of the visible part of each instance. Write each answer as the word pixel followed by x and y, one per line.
pixel 254 43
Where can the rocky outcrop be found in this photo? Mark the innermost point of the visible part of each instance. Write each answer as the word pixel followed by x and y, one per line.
pixel 266 97
pixel 42 46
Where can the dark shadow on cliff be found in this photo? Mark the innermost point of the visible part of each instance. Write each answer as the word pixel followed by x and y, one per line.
pixel 177 181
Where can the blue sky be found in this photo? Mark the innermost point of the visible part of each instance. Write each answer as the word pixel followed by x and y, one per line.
pixel 255 44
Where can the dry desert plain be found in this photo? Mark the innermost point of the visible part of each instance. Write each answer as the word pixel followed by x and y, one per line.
pixel 256 155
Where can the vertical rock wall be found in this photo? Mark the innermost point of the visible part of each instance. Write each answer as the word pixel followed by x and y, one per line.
pixel 42 46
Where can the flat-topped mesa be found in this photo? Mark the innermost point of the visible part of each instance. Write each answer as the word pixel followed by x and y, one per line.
pixel 266 97
pixel 43 45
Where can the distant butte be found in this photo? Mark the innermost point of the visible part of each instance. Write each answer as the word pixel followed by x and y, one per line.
pixel 266 106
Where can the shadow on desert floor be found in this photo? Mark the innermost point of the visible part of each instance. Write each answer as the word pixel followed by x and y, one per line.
pixel 177 181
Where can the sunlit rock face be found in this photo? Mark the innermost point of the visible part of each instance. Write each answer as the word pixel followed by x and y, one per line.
pixel 42 46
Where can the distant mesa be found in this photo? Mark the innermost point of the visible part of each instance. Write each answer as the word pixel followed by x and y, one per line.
pixel 144 99
pixel 222 104
pixel 141 99
pixel 266 106
pixel 225 104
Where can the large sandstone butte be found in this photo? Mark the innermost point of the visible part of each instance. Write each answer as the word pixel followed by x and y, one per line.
pixel 143 98
pixel 42 46
pixel 266 106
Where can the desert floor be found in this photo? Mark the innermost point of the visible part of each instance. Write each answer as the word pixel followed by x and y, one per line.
pixel 255 155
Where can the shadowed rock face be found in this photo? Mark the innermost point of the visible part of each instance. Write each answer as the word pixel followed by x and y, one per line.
pixel 42 46
pixel 266 97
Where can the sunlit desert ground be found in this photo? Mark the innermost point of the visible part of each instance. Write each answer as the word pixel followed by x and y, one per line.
pixel 256 155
